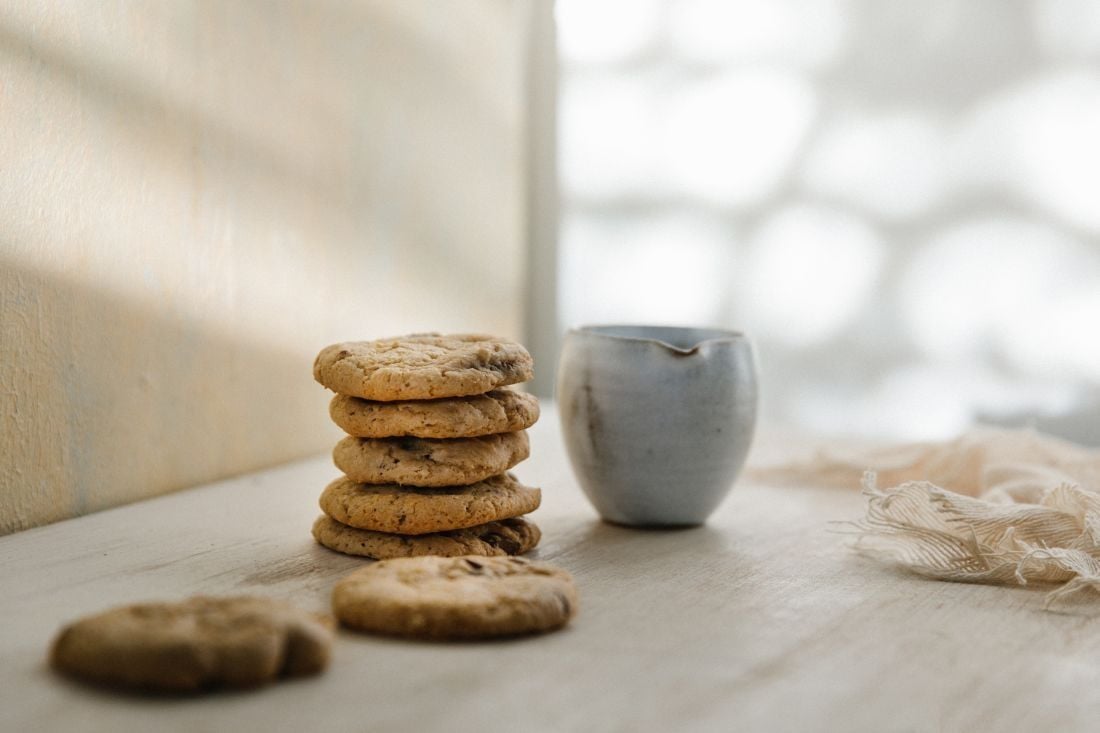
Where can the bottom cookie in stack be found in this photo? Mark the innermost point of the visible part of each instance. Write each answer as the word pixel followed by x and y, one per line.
pixel 513 536
pixel 383 521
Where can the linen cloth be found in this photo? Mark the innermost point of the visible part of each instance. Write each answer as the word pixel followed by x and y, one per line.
pixel 992 506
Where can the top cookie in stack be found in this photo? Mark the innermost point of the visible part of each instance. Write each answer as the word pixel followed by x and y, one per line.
pixel 431 435
pixel 422 366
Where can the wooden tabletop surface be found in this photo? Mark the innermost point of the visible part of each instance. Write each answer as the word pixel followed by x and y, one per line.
pixel 763 620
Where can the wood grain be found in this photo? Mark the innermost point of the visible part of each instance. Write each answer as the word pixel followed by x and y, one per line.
pixel 762 620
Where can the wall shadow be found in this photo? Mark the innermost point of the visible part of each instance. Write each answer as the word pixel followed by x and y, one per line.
pixel 349 114
pixel 105 401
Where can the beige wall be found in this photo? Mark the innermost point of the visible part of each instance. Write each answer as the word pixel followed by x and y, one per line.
pixel 197 196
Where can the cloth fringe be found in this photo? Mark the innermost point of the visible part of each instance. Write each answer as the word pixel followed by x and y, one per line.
pixel 1006 507
pixel 948 536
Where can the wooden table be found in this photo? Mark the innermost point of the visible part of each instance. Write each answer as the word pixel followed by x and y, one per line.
pixel 763 620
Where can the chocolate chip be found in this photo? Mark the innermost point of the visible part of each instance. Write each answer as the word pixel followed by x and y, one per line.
pixel 509 544
pixel 410 444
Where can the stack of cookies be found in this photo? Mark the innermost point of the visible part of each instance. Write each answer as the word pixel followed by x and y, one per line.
pixel 431 436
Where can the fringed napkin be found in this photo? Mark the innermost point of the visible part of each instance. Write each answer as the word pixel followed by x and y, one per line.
pixel 994 506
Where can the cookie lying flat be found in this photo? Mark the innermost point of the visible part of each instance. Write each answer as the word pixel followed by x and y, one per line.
pixel 456 598
pixel 499 411
pixel 428 462
pixel 422 366
pixel 416 510
pixel 513 536
pixel 193 645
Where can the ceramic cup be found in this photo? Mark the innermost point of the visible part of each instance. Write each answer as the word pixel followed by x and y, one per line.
pixel 657 421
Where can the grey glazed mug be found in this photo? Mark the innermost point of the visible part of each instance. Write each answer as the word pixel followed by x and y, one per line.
pixel 657 420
